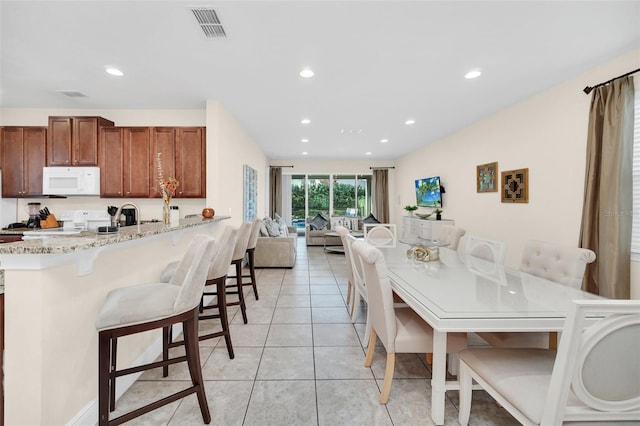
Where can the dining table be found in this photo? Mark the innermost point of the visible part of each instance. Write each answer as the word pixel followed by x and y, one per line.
pixel 457 293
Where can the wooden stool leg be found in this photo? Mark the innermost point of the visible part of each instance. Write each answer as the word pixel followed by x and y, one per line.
pixel 112 377
pixel 222 310
pixel 166 339
pixel 252 273
pixel 193 360
pixel 104 349
pixel 243 307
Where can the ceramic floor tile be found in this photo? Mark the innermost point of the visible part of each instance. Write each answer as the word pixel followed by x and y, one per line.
pixel 320 280
pixel 407 366
pixel 282 403
pixel 335 335
pixel 327 301
pixel 255 315
pixel 242 367
pixel 145 392
pixel 286 364
pixel 294 301
pixel 288 290
pixel 292 316
pixel 268 301
pixel 324 289
pixel 341 363
pixel 179 371
pixel 248 334
pixel 227 402
pixel 289 335
pixel 330 315
pixel 350 402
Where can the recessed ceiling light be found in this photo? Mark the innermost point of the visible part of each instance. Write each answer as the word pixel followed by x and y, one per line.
pixel 305 121
pixel 384 140
pixel 305 153
pixel 306 73
pixel 410 121
pixel 367 153
pixel 304 140
pixel 114 71
pixel 473 74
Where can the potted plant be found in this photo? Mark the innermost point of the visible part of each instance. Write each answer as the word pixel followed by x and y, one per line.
pixel 438 212
pixel 410 209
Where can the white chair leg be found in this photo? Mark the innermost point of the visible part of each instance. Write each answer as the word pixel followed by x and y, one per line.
pixel 466 384
pixel 355 302
pixel 453 363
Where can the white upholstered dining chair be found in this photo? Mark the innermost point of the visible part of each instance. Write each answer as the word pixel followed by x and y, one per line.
pixel 380 234
pixel 450 235
pixel 343 232
pixel 401 330
pixel 593 377
pixel 561 264
pixel 486 249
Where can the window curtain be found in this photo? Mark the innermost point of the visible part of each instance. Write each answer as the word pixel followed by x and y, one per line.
pixel 381 195
pixel 275 192
pixel 607 208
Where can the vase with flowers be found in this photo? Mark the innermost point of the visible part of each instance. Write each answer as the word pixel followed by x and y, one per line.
pixel 167 188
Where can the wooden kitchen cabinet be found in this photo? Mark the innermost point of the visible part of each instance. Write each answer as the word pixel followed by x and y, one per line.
pixel 23 155
pixel 183 157
pixel 73 141
pixel 125 153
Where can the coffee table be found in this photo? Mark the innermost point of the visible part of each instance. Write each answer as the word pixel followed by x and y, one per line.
pixel 337 248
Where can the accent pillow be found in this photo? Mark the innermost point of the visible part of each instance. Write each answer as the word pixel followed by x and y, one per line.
pixel 282 223
pixel 318 222
pixel 370 219
pixel 263 228
pixel 273 228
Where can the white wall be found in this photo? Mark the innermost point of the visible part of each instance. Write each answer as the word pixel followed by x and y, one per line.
pixel 228 148
pixel 546 133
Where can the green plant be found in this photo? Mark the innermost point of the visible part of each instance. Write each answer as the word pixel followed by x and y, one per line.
pixel 437 210
pixel 411 208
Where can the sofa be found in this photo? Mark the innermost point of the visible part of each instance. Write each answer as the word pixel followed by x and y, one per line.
pixel 276 252
pixel 315 237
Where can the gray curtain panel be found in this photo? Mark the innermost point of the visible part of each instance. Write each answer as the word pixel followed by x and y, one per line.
pixel 607 209
pixel 381 195
pixel 275 193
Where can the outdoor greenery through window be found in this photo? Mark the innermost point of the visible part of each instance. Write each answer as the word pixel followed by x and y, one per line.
pixel 342 195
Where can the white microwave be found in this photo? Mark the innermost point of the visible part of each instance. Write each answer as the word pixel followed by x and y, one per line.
pixel 71 181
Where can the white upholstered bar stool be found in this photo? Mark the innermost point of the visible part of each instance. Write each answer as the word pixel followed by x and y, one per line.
pixel 401 330
pixel 450 235
pixel 144 307
pixel 561 264
pixel 242 241
pixel 251 248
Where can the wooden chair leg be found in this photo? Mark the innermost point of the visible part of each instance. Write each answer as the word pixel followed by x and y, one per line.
pixel 224 320
pixel 388 378
pixel 348 292
pixel 112 377
pixel 243 307
pixel 190 327
pixel 429 358
pixel 252 273
pixel 372 347
pixel 166 341
pixel 104 382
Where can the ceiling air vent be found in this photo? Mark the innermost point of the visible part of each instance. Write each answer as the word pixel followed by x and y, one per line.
pixel 209 22
pixel 72 93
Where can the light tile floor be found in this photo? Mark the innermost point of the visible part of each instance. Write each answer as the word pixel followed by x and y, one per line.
pixel 299 361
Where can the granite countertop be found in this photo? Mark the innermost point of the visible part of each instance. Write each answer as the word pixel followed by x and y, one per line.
pixel 90 239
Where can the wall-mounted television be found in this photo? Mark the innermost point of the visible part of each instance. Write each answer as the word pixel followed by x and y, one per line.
pixel 429 192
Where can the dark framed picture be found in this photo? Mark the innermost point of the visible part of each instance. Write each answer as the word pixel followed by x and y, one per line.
pixel 515 186
pixel 486 177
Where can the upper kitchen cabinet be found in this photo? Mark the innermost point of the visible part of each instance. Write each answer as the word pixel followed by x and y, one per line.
pixel 125 154
pixel 73 141
pixel 183 157
pixel 23 154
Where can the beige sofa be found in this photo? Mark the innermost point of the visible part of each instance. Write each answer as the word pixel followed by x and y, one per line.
pixel 316 237
pixel 276 252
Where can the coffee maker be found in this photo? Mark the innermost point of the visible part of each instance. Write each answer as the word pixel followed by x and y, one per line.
pixel 129 216
pixel 33 209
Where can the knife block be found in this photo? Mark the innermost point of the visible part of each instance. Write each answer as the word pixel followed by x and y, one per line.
pixel 49 222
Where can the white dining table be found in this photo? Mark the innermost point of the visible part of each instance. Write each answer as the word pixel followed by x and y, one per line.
pixel 465 294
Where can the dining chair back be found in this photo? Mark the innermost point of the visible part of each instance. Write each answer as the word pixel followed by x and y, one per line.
pixel 401 330
pixel 450 235
pixel 593 377
pixel 565 265
pixel 486 249
pixel 343 232
pixel 380 234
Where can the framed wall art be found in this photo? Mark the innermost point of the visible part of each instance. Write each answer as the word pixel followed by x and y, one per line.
pixel 250 176
pixel 515 186
pixel 486 177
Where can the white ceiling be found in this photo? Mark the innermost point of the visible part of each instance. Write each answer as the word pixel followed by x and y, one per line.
pixel 377 63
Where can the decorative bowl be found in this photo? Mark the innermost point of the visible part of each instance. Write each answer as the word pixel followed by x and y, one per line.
pixel 423 215
pixel 208 212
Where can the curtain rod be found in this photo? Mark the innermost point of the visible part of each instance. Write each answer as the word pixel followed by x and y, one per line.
pixel 271 167
pixel 381 168
pixel 588 89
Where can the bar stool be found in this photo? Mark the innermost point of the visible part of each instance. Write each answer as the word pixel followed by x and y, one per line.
pixel 145 307
pixel 251 248
pixel 244 232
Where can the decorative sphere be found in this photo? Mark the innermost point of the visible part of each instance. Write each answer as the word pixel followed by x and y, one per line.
pixel 208 212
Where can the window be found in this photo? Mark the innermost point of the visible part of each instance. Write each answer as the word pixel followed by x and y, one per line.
pixel 318 194
pixel 344 194
pixel 298 201
pixel 635 233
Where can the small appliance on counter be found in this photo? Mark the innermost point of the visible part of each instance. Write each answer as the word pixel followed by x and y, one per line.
pixel 33 210
pixel 129 217
pixel 85 220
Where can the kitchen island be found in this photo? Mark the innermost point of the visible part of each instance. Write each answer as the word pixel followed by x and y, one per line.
pixel 54 289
